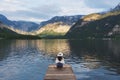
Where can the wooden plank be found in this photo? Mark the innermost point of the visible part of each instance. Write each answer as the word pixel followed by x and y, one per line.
pixel 65 73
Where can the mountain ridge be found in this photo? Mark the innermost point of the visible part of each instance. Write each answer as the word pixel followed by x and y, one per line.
pixel 53 30
pixel 7 32
pixel 116 8
pixel 70 20
pixel 106 27
pixel 21 25
pixel 95 25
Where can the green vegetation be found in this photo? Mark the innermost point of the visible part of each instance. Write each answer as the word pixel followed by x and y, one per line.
pixel 54 30
pixel 9 34
pixel 98 28
pixel 90 27
pixel 51 34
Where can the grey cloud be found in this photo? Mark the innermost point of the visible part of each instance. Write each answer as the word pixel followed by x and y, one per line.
pixel 40 12
pixel 49 10
pixel 41 9
pixel 101 3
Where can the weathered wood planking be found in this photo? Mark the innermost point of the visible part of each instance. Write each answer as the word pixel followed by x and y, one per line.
pixel 65 73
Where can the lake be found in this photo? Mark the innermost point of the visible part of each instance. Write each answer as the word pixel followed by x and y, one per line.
pixel 29 59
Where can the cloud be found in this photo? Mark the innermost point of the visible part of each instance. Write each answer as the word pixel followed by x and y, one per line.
pixel 105 4
pixel 38 10
pixel 46 10
pixel 77 7
pixel 12 5
pixel 20 11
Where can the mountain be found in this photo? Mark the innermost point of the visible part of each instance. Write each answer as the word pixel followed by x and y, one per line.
pixel 21 25
pixel 107 25
pixel 11 33
pixel 117 8
pixel 26 26
pixel 91 17
pixel 31 26
pixel 4 20
pixel 5 32
pixel 97 25
pixel 57 26
pixel 70 20
pixel 53 30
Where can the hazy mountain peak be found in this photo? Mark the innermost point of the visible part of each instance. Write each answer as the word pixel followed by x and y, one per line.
pixel 2 16
pixel 119 4
pixel 21 25
pixel 70 20
pixel 117 8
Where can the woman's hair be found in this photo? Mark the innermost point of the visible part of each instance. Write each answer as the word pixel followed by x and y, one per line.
pixel 59 58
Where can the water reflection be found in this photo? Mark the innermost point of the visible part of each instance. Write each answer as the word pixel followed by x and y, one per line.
pixel 90 59
pixel 97 53
pixel 49 46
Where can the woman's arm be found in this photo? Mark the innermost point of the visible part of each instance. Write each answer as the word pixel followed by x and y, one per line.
pixel 63 61
pixel 56 61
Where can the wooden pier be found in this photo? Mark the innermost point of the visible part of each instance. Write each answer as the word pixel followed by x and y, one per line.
pixel 65 73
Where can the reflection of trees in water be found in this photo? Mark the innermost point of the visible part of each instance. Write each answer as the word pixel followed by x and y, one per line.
pixel 96 51
pixel 4 45
pixel 96 48
pixel 12 47
pixel 114 47
pixel 89 51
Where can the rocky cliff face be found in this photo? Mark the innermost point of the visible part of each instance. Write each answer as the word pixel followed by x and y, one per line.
pixel 57 26
pixel 69 20
pixel 26 26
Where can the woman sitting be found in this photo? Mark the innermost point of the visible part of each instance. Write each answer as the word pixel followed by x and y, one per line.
pixel 59 60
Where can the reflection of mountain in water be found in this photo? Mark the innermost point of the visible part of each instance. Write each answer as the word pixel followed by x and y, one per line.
pixel 96 48
pixel 53 46
pixel 92 52
pixel 100 49
pixel 11 47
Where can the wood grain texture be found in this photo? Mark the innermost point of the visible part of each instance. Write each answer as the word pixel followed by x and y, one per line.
pixel 65 73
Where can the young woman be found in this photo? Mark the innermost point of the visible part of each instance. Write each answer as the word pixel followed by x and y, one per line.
pixel 59 60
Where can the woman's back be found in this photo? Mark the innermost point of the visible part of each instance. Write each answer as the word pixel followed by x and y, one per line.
pixel 59 60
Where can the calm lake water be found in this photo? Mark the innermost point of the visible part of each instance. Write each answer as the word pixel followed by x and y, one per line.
pixel 29 59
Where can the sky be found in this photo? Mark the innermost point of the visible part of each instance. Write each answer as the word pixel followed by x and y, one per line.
pixel 41 10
